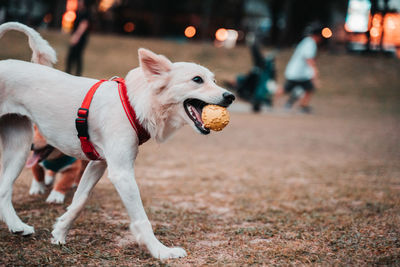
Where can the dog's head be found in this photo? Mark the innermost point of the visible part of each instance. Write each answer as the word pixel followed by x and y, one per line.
pixel 182 89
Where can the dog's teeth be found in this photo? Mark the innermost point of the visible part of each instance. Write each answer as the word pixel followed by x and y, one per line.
pixel 192 112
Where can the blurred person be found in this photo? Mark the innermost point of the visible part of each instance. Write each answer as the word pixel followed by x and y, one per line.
pixel 257 86
pixel 79 37
pixel 301 73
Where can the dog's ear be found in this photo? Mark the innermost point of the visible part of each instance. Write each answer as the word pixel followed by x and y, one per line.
pixel 152 64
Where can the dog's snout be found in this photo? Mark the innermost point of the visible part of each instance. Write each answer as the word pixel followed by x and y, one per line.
pixel 228 97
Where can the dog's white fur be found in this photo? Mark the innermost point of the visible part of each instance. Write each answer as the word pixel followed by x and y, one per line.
pixel 37 188
pixel 33 93
pixel 55 197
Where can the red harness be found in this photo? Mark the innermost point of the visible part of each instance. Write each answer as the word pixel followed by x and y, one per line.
pixel 83 113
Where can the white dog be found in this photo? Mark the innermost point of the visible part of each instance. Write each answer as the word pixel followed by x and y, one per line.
pixel 164 95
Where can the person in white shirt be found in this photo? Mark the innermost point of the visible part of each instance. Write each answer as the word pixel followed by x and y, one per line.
pixel 301 71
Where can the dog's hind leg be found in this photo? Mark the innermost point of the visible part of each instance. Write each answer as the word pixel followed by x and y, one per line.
pixel 90 177
pixel 16 134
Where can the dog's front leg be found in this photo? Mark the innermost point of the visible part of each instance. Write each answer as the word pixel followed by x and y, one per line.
pixel 91 176
pixel 123 178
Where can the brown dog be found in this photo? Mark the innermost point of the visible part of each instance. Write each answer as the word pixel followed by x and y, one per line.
pixel 46 159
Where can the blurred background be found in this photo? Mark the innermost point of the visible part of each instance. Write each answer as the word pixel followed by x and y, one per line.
pixel 361 25
pixel 276 187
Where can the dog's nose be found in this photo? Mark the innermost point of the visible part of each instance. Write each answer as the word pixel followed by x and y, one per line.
pixel 228 97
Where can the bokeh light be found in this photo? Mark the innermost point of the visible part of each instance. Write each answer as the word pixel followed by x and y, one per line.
pixel 190 31
pixel 69 16
pixel 48 18
pixel 105 5
pixel 68 20
pixel 129 27
pixel 376 20
pixel 221 34
pixel 72 5
pixel 326 33
pixel 374 32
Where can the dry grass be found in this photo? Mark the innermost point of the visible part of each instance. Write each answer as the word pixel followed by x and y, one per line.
pixel 271 189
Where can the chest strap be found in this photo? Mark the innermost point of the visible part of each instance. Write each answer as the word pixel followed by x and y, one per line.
pixel 81 123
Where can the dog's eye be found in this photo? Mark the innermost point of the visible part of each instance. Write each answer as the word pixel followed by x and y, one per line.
pixel 198 79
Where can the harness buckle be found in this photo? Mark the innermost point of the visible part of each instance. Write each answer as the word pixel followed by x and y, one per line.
pixel 83 112
pixel 82 127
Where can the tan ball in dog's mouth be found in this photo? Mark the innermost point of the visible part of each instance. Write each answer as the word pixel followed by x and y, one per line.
pixel 215 117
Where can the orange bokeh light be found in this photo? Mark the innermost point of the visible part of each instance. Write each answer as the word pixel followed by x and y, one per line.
pixel 72 5
pixel 392 29
pixel 377 20
pixel 326 33
pixel 390 25
pixel 48 18
pixel 105 5
pixel 221 34
pixel 68 20
pixel 190 31
pixel 69 16
pixel 374 32
pixel 129 27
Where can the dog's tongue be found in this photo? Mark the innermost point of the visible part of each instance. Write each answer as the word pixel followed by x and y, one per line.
pixel 32 160
pixel 197 114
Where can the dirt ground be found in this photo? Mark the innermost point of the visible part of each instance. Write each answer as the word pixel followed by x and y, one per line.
pixel 277 188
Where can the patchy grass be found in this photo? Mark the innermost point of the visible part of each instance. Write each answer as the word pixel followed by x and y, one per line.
pixel 271 189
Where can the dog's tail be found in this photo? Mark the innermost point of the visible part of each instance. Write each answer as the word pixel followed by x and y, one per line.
pixel 43 53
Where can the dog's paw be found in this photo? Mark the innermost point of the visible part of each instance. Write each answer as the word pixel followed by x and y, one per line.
pixel 58 238
pixel 37 188
pixel 56 241
pixel 48 180
pixel 165 253
pixel 55 197
pixel 22 229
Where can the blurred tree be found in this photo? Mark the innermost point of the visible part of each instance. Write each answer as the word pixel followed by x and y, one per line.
pixel 290 17
pixel 170 18
pixel 277 9
pixel 57 9
pixel 207 12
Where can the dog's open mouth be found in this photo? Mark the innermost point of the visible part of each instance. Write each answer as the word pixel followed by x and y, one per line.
pixel 38 155
pixel 193 108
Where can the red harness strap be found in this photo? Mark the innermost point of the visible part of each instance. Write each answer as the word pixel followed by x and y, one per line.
pixel 83 113
pixel 142 134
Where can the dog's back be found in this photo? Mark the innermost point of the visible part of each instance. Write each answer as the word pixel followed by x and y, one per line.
pixel 21 82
